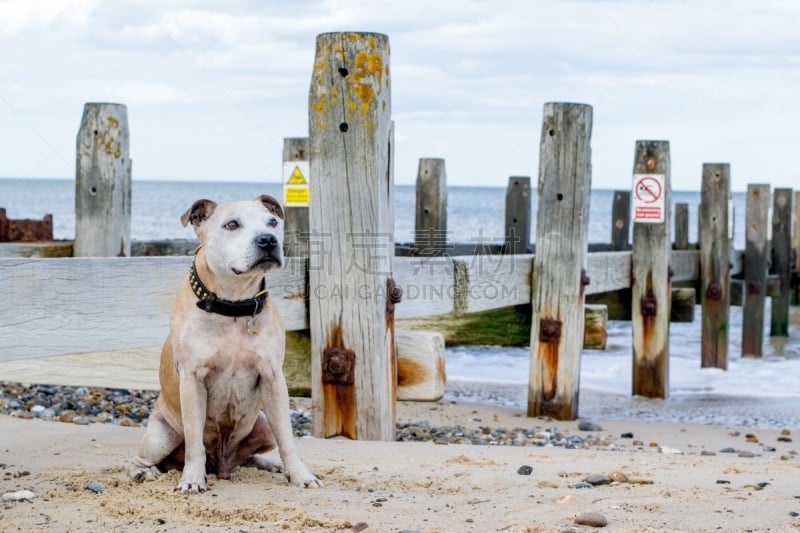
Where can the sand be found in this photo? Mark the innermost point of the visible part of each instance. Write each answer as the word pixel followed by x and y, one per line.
pixel 425 487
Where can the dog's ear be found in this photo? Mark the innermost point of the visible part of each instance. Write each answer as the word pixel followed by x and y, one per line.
pixel 199 212
pixel 272 205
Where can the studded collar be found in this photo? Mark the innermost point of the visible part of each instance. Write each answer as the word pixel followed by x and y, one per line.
pixel 211 303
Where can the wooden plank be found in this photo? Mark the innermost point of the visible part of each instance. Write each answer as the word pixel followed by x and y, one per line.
pixel 781 260
pixel 518 215
pixel 595 330
pixel 560 262
pixel 755 270
pixel 430 220
pixel 683 304
pixel 103 183
pixel 714 264
pixel 650 283
pixel 36 249
pixel 421 370
pixel 351 240
pixel 72 305
pixel 681 227
pixel 295 150
pixel 621 221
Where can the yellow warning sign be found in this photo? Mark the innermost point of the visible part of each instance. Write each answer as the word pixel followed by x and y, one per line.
pixel 296 191
pixel 297 196
pixel 296 177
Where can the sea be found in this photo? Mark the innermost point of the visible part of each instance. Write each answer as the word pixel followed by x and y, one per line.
pixel 751 392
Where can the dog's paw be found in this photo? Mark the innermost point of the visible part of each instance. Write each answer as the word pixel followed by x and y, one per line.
pixel 143 473
pixel 299 475
pixel 264 463
pixel 193 480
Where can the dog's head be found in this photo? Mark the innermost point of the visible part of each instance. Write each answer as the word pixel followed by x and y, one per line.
pixel 239 237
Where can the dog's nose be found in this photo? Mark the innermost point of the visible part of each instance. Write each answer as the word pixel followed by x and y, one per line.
pixel 267 242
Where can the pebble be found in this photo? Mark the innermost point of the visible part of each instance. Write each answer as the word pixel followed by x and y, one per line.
pixel 669 451
pixel 619 477
pixel 585 425
pixel 360 526
pixel 747 454
pixel 591 519
pixel 597 479
pixel 708 453
pixel 582 485
pixel 728 450
pixel 525 470
pixel 20 495
pixel 95 487
pixel 627 435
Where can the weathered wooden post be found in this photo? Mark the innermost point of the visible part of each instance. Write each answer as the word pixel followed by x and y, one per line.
pixel 781 260
pixel 518 215
pixel 559 266
pixel 715 277
pixel 650 279
pixel 620 221
pixel 296 195
pixel 796 246
pixel 430 222
pixel 681 226
pixel 353 365
pixel 103 182
pixel 755 269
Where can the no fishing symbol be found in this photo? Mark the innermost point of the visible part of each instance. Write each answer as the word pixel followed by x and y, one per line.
pixel 648 198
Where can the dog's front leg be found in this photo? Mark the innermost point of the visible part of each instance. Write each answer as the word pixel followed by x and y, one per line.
pixel 193 415
pixel 276 404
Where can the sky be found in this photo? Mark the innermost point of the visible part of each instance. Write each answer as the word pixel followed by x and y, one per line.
pixel 212 87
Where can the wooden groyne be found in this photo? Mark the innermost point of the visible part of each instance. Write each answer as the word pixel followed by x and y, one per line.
pixel 357 300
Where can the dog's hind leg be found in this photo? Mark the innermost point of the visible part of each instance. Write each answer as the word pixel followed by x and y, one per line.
pixel 259 441
pixel 158 442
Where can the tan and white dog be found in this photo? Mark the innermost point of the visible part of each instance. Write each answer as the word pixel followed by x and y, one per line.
pixel 222 361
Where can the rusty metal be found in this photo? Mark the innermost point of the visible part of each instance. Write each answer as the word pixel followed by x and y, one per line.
pixel 549 330
pixel 754 288
pixel 714 292
pixel 394 295
pixel 25 230
pixel 585 280
pixel 649 306
pixel 338 366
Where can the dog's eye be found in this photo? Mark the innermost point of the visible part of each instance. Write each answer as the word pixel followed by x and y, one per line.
pixel 232 225
pixel 272 222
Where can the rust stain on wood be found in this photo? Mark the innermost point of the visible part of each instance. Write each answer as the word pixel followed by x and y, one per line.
pixel 338 401
pixel 410 373
pixel 649 378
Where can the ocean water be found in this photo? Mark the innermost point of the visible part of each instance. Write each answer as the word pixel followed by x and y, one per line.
pixel 474 214
pixel 755 392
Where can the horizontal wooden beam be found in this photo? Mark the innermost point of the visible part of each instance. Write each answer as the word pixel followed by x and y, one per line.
pixel 58 306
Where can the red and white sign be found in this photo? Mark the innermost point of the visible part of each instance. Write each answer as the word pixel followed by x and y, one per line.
pixel 648 198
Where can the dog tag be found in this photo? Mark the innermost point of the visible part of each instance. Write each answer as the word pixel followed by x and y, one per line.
pixel 252 326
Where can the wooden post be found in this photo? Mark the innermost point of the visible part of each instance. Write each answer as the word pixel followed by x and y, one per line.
pixel 421 371
pixel 595 328
pixel 650 284
pixel 295 156
pixel 781 260
pixel 681 226
pixel 351 243
pixel 559 266
pixel 715 277
pixel 755 269
pixel 621 221
pixel 518 215
pixel 796 248
pixel 103 182
pixel 682 304
pixel 430 222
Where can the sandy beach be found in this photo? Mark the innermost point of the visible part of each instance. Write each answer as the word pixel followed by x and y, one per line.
pixel 674 477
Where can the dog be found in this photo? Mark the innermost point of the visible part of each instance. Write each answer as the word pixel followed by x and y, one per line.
pixel 224 400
